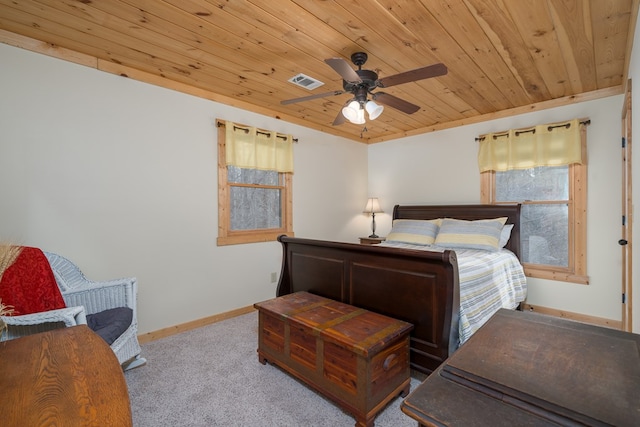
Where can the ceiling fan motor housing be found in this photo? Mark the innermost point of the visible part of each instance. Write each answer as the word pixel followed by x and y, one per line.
pixel 368 77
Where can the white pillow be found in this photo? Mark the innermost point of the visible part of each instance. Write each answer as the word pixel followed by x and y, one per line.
pixel 505 234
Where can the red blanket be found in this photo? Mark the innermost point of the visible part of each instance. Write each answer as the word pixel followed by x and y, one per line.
pixel 28 284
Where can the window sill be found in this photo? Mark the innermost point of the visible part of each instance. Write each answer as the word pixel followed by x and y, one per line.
pixel 251 238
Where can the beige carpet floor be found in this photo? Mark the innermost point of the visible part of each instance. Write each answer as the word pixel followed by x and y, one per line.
pixel 211 377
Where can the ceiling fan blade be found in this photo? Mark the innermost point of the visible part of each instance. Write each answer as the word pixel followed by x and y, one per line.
pixel 310 97
pixel 395 102
pixel 343 68
pixel 434 70
pixel 339 119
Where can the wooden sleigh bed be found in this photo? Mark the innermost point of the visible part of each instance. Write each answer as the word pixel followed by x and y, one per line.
pixel 415 286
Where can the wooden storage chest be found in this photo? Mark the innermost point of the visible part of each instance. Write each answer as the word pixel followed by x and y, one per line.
pixel 357 358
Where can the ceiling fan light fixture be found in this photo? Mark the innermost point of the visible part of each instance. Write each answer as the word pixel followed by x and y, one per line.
pixel 373 109
pixel 354 113
pixel 360 118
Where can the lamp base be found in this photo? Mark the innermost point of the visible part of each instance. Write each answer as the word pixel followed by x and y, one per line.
pixel 373 226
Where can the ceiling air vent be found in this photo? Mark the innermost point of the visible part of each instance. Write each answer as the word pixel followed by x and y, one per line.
pixel 305 81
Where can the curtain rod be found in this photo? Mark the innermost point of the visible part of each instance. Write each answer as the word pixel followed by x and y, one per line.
pixel 220 123
pixel 505 133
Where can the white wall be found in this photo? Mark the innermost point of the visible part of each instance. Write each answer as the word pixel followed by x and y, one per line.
pixel 441 168
pixel 121 177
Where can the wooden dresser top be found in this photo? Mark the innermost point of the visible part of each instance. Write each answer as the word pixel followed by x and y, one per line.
pixel 541 366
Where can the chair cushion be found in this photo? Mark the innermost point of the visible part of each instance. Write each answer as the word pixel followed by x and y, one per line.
pixel 110 324
pixel 28 284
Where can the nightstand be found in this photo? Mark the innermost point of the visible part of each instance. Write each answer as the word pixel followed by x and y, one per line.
pixel 371 240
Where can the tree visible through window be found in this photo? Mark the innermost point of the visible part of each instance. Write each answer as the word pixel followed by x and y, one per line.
pixel 254 197
pixel 255 201
pixel 553 198
pixel 544 193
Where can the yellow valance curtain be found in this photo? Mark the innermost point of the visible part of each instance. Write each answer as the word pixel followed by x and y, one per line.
pixel 252 148
pixel 543 145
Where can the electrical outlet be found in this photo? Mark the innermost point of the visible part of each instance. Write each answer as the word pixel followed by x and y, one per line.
pixel 274 277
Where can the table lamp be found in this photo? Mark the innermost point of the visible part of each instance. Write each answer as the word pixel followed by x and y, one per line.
pixel 373 207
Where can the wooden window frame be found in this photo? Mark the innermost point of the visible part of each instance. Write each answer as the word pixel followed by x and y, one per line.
pixel 576 272
pixel 226 236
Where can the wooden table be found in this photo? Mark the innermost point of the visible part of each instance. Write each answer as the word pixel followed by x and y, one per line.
pixel 527 369
pixel 357 358
pixel 64 377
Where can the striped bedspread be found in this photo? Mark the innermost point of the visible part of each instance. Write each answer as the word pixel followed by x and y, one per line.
pixel 488 281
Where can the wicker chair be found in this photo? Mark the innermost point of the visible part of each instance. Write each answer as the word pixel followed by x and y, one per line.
pixel 84 297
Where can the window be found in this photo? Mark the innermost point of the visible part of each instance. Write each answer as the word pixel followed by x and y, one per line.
pixel 553 198
pixel 254 195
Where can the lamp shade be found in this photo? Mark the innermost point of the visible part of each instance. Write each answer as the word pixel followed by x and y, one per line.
pixel 354 113
pixel 372 206
pixel 359 117
pixel 374 110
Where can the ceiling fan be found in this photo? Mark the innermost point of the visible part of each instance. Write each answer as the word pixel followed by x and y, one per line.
pixel 361 82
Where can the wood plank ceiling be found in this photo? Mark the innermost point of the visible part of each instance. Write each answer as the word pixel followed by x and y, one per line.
pixel 503 56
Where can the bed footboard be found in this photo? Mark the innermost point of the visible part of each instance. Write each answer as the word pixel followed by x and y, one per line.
pixel 415 286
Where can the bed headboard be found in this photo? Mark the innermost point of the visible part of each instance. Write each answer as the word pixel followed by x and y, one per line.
pixel 467 212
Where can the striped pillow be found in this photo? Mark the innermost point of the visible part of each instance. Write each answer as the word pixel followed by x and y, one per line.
pixel 417 232
pixel 479 234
